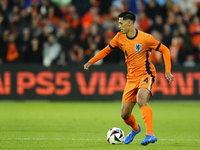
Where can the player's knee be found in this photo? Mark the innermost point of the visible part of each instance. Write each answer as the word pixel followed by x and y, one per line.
pixel 141 102
pixel 125 115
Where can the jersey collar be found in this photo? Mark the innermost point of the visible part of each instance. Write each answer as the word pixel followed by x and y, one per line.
pixel 134 36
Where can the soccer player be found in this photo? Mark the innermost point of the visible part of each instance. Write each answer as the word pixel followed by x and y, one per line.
pixel 141 73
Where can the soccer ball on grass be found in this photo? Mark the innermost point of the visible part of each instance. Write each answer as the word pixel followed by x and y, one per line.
pixel 115 136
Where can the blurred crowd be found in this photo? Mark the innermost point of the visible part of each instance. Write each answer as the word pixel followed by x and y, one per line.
pixel 70 32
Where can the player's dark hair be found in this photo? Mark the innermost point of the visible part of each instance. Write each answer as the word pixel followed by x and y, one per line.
pixel 128 15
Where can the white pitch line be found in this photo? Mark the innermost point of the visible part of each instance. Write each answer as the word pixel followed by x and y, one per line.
pixel 81 139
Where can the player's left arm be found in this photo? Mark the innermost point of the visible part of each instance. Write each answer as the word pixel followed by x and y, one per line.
pixel 166 54
pixel 158 46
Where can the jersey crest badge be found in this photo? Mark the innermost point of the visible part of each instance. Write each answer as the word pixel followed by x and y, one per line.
pixel 138 47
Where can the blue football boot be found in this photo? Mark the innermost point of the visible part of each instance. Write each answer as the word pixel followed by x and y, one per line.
pixel 149 139
pixel 129 138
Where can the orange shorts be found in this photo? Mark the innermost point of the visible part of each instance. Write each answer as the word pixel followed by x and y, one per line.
pixel 132 87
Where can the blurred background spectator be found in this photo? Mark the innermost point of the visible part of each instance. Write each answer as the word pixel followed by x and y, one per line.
pixel 60 32
pixel 12 54
pixel 51 51
pixel 23 42
pixel 34 52
pixel 76 55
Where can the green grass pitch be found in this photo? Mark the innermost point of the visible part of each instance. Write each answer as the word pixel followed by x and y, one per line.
pixel 84 125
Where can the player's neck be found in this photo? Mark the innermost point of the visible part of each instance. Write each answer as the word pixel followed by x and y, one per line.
pixel 131 33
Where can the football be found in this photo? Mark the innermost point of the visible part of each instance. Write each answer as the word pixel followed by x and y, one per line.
pixel 115 136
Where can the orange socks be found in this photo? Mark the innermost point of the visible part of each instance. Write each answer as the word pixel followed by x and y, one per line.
pixel 148 119
pixel 131 121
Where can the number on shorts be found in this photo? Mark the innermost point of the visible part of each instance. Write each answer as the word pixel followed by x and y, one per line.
pixel 146 80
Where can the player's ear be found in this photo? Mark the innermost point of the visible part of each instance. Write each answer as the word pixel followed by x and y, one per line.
pixel 129 22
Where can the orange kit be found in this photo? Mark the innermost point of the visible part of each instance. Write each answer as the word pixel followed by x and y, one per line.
pixel 141 72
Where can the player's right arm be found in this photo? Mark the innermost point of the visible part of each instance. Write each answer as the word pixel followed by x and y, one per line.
pixel 87 65
pixel 100 55
pixel 103 53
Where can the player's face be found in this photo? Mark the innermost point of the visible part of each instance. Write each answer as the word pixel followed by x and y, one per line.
pixel 123 25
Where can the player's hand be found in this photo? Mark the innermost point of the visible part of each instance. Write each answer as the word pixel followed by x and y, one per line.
pixel 169 77
pixel 87 65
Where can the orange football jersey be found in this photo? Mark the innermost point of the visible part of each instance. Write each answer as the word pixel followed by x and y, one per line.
pixel 137 51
